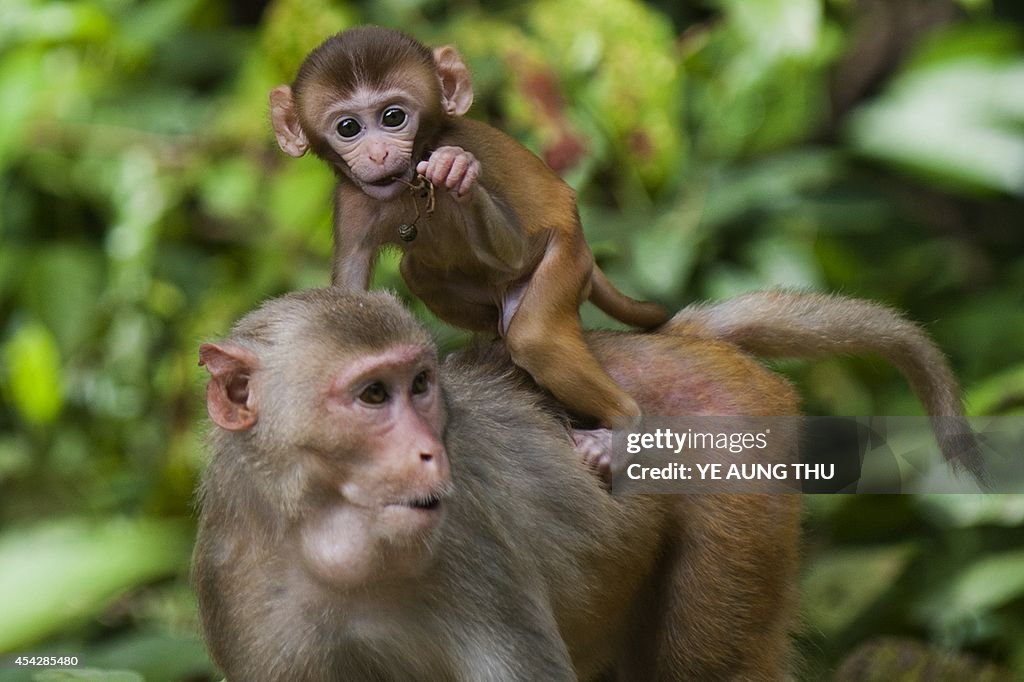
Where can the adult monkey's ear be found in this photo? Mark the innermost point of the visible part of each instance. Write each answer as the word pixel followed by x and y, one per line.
pixel 284 116
pixel 456 86
pixel 229 400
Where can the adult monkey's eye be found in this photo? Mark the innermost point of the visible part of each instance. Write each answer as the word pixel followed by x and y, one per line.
pixel 393 117
pixel 421 383
pixel 374 394
pixel 349 127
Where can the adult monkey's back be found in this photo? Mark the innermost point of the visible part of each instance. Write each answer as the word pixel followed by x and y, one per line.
pixel 371 515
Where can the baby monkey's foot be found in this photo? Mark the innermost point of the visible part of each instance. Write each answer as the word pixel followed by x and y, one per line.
pixel 595 447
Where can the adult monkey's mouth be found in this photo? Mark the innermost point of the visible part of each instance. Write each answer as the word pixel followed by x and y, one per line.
pixel 427 502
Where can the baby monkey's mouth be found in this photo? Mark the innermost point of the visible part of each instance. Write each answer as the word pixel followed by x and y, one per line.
pixel 389 180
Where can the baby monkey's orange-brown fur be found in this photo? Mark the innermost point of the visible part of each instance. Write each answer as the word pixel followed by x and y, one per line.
pixel 503 250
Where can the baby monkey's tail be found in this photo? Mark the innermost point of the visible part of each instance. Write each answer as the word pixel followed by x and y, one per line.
pixel 605 296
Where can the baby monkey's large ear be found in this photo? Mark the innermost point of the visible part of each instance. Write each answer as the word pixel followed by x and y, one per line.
pixel 456 88
pixel 284 115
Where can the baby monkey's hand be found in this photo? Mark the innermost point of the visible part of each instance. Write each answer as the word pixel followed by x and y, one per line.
pixel 453 168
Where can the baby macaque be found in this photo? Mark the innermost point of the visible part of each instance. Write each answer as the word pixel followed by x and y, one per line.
pixel 491 235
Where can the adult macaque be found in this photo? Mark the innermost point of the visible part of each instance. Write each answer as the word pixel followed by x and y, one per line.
pixel 372 515
pixel 499 248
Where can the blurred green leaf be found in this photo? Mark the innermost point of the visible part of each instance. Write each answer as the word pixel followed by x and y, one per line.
pixel 15 457
pixel 775 28
pixel 301 196
pixel 53 575
pixel 149 23
pixel 962 511
pixel 668 251
pixel 999 394
pixel 599 61
pixel 21 80
pixel 786 262
pixel 294 27
pixel 28 21
pixel 842 584
pixel 997 42
pixel 61 288
pixel 33 373
pixel 988 583
pixel 231 189
pixel 777 182
pixel 957 122
pixel 762 75
pixel 155 656
pixel 982 586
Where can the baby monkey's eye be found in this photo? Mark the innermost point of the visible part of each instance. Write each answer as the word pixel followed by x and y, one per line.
pixel 349 127
pixel 393 117
pixel 374 394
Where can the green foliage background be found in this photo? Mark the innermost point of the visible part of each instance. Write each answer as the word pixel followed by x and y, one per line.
pixel 870 148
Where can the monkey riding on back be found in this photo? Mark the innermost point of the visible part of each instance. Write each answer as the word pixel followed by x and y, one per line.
pixel 491 236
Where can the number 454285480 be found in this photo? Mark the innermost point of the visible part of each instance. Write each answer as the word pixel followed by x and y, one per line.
pixel 46 661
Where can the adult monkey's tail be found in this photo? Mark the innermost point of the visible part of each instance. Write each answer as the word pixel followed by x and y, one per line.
pixel 777 324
